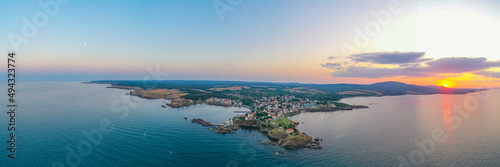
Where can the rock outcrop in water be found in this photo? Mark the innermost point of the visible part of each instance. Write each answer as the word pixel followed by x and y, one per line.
pixel 202 122
pixel 217 128
pixel 338 108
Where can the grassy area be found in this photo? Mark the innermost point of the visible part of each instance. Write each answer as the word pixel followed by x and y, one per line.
pixel 279 130
pixel 282 121
pixel 159 93
pixel 227 88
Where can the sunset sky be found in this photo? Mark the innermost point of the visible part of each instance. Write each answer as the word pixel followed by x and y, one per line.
pixel 419 42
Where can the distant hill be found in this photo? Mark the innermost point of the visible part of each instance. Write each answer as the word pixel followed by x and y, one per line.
pixel 389 88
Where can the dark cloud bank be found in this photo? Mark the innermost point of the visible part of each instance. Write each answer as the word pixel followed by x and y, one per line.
pixel 411 64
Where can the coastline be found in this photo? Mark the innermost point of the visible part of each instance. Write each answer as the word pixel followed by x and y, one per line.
pixel 176 102
pixel 464 91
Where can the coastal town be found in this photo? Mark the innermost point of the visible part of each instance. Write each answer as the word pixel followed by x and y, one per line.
pixel 224 102
pixel 269 115
pixel 270 108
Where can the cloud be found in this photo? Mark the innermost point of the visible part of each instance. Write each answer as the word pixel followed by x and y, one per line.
pixel 333 66
pixel 450 65
pixel 461 64
pixel 369 72
pixel 488 74
pixel 401 58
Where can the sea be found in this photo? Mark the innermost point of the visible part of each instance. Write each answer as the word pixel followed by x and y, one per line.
pixel 80 124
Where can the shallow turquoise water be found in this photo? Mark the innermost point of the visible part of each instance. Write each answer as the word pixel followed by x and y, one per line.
pixel 53 118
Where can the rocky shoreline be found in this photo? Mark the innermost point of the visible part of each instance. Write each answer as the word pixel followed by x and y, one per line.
pixel 216 128
pixel 185 103
pixel 339 108
pixel 179 103
pixel 313 144
pixel 299 140
pixel 175 102
pixel 292 113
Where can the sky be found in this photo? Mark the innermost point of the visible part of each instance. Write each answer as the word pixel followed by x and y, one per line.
pixel 360 41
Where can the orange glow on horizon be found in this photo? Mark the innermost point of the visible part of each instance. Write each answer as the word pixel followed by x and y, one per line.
pixel 446 83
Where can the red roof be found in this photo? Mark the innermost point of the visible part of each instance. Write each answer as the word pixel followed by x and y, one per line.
pixel 289 130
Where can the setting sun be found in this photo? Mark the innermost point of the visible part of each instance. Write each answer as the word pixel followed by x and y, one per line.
pixel 446 83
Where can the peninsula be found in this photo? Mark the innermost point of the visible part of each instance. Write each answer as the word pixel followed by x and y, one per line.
pixel 269 103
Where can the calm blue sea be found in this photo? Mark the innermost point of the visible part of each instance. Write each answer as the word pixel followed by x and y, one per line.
pixel 76 124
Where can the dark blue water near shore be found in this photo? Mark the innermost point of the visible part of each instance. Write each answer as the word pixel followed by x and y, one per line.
pixel 54 116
